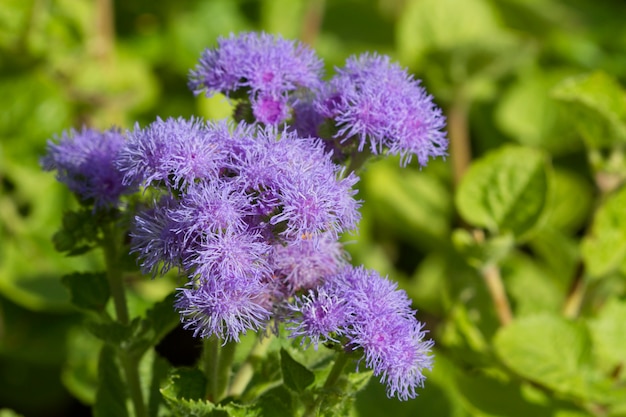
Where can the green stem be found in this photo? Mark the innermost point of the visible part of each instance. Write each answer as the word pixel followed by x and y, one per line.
pixel 210 360
pixel 246 370
pixel 227 354
pixel 114 276
pixel 458 132
pixel 216 363
pixel 131 370
pixel 493 280
pixel 331 381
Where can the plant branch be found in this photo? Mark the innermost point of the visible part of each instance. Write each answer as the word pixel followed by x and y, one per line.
pixel 493 280
pixel 576 294
pixel 458 131
pixel 244 375
pixel 129 362
pixel 312 21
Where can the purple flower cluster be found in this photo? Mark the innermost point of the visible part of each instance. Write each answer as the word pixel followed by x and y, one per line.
pixel 371 316
pixel 267 68
pixel 242 210
pixel 371 103
pixel 252 212
pixel 376 104
pixel 84 161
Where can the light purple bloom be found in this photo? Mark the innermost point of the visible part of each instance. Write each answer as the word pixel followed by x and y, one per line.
pixel 174 152
pixel 154 238
pixel 307 263
pixel 230 255
pixel 267 67
pixel 379 322
pixel 84 161
pixel 323 316
pixel 376 104
pixel 224 308
pixel 211 207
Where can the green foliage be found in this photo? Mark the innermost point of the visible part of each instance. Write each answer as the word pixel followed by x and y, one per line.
pixel 537 88
pixel 505 191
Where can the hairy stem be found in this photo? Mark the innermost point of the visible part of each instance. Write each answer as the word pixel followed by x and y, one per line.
pixel 493 280
pixel 111 242
pixel 243 376
pixel 210 360
pixel 114 273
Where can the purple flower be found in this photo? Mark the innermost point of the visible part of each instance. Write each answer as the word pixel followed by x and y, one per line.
pixel 224 308
pixel 307 263
pixel 211 207
pixel 175 152
pixel 230 255
pixel 322 317
pixel 379 322
pixel 297 185
pixel 267 66
pixel 84 161
pixel 155 239
pixel 377 104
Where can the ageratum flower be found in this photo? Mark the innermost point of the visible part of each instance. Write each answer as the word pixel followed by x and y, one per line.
pixel 376 104
pixel 378 322
pixel 308 263
pixel 174 152
pixel 267 67
pixel 225 308
pixel 84 161
pixel 297 186
pixel 154 237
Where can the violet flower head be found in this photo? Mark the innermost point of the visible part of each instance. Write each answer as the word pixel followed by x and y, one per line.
pixel 84 161
pixel 378 322
pixel 224 308
pixel 174 152
pixel 377 104
pixel 266 66
pixel 307 264
pixel 322 317
pixel 154 238
pixel 230 255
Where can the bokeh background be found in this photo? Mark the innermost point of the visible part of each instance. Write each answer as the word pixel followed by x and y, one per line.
pixel 490 64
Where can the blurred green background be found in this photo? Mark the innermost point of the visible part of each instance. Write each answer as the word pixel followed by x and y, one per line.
pixel 490 64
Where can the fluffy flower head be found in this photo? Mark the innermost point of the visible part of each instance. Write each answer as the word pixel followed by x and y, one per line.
pixel 84 161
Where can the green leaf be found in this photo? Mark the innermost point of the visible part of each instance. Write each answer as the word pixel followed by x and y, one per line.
pixel 528 114
pixel 496 395
pixel 295 375
pixel 530 287
pixel 89 291
pixel 608 331
pixel 277 402
pixel 111 397
pixel 159 321
pixel 153 370
pixel 548 350
pixel 504 191
pixel 113 333
pixel 185 383
pixel 442 24
pixel 597 107
pixel 414 204
pixel 604 248
pixel 80 373
pixel 570 197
